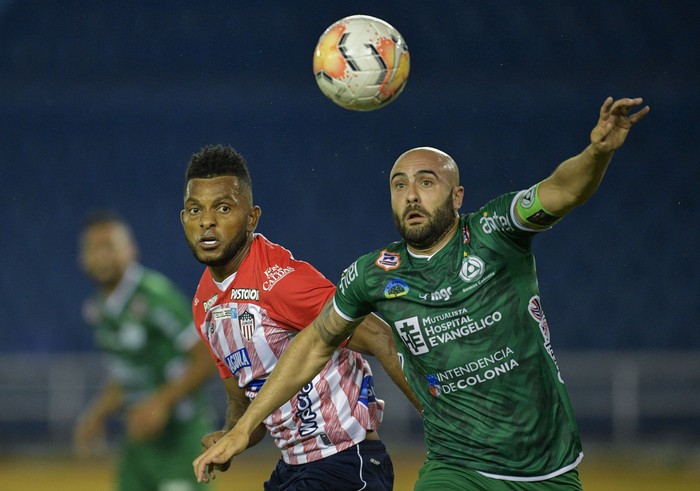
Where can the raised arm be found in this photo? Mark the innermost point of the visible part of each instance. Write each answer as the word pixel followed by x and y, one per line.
pixel 373 337
pixel 576 179
pixel 305 357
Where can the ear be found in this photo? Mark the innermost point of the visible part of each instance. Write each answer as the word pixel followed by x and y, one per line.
pixel 457 197
pixel 253 217
pixel 182 217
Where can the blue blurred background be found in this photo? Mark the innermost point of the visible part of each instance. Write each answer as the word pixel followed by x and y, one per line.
pixel 103 103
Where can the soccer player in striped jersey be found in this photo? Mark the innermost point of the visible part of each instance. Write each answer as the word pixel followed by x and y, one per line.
pixel 252 300
pixel 461 294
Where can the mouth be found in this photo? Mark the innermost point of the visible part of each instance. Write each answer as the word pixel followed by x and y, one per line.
pixel 208 242
pixel 414 217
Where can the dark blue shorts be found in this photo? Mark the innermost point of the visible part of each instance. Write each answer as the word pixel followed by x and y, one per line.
pixel 366 466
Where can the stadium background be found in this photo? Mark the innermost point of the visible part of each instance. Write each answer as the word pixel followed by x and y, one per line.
pixel 103 103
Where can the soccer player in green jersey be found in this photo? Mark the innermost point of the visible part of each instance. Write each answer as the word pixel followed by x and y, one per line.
pixel 461 294
pixel 156 363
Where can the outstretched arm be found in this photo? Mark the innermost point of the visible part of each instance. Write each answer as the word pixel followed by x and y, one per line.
pixel 305 357
pixel 373 337
pixel 576 179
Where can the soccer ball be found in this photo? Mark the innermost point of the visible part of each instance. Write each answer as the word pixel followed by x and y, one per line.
pixel 361 63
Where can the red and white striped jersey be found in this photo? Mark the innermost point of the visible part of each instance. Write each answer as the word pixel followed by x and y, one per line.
pixel 250 323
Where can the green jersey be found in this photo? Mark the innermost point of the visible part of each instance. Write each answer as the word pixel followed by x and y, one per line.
pixel 145 329
pixel 475 344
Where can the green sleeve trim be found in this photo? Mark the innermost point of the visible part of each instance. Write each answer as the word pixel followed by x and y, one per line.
pixel 530 209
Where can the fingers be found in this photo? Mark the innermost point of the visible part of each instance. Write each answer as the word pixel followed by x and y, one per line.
pixel 634 118
pixel 621 107
pixel 205 464
pixel 605 109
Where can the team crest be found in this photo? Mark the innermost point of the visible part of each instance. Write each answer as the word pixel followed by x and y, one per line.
pixel 246 323
pixel 388 260
pixel 472 269
pixel 396 288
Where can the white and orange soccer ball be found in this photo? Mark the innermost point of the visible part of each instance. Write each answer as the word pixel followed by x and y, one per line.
pixel 361 63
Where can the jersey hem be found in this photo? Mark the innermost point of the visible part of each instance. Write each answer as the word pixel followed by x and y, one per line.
pixel 341 314
pixel 556 473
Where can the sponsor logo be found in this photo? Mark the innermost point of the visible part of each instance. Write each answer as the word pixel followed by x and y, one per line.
pixel 476 372
pixel 208 304
pixel 490 224
pixel 396 288
pixel 466 235
pixel 367 391
pixel 528 197
pixel 237 360
pixel 274 274
pixel 221 314
pixel 443 294
pixel 472 269
pixel 433 385
pixel 348 277
pixel 409 332
pixel 388 260
pixel 246 323
pixel 245 294
pixel 305 413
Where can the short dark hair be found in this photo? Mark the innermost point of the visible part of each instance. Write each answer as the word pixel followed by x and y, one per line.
pixel 218 160
pixel 97 218
pixel 101 217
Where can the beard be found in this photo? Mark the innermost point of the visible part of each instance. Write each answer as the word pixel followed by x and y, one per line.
pixel 430 233
pixel 230 251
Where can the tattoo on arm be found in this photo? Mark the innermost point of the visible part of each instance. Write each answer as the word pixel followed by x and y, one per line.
pixel 331 331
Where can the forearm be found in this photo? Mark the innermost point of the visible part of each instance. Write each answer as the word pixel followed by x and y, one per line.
pixel 108 402
pixel 304 358
pixel 574 180
pixel 237 405
pixel 199 369
pixel 374 337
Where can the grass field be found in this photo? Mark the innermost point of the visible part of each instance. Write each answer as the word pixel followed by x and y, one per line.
pixel 602 472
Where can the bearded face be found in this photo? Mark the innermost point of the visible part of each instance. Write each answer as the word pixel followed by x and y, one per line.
pixel 422 229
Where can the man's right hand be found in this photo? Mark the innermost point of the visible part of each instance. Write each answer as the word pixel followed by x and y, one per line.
pixel 218 450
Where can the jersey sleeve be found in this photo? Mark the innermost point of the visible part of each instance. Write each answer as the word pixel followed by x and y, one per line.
pixel 199 314
pixel 299 297
pixel 351 300
pixel 497 227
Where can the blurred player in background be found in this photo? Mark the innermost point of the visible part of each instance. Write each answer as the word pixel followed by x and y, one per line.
pixel 252 300
pixel 156 364
pixel 462 296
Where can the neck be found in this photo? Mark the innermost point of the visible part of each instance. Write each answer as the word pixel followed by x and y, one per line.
pixel 221 272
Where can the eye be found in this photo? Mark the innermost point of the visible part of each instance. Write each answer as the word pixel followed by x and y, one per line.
pixel 426 183
pixel 193 210
pixel 399 185
pixel 224 208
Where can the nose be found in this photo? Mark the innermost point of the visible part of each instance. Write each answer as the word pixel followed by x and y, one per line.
pixel 411 193
pixel 207 219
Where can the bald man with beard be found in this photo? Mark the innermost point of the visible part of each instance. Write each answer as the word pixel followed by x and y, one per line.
pixel 460 292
